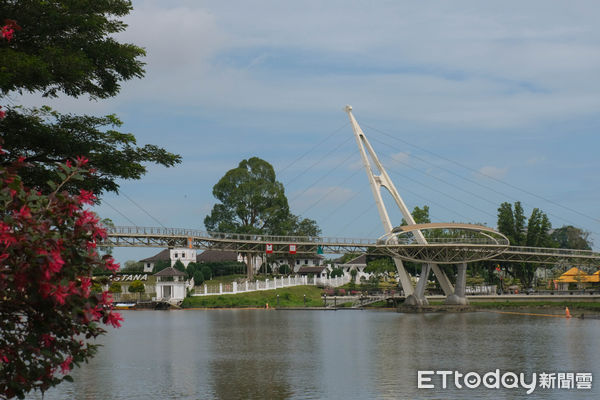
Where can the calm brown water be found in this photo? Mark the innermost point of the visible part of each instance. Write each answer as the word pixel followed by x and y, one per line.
pixel 261 354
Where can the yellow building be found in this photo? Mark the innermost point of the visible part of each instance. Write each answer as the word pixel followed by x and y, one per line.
pixel 577 276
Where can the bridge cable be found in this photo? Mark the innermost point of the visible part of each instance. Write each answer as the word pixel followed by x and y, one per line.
pixel 319 160
pixel 142 208
pixel 329 192
pixel 120 213
pixel 323 176
pixel 474 182
pixel 314 147
pixel 487 175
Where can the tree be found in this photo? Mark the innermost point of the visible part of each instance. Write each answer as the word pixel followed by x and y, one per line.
pixel 47 254
pixel 381 267
pixel 570 237
pixel 335 272
pixel 115 287
pixel 132 266
pixel 536 234
pixel 253 201
pixel 179 266
pixel 160 265
pixel 206 273
pixel 198 278
pixel 69 47
pixel 420 215
pixel 191 269
pixel 284 269
pixel 137 286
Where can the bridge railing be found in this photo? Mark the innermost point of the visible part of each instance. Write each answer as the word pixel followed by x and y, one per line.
pixel 268 284
pixel 242 237
pixel 554 251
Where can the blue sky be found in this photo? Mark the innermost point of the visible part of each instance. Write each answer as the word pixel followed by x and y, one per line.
pixel 510 89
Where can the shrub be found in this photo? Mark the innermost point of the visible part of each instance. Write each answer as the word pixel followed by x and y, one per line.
pixel 115 287
pixel 137 286
pixel 47 254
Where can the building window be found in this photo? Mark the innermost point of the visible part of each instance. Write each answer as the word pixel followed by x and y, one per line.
pixel 297 262
pixel 176 255
pixel 305 262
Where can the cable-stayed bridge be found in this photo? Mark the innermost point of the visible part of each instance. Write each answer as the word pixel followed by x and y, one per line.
pixel 431 245
pixel 159 237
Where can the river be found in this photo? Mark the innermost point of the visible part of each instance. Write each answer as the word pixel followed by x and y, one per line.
pixel 271 354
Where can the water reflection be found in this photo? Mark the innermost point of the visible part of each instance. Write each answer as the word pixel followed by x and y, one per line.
pixel 257 354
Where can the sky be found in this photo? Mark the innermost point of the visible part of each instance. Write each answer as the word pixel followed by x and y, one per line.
pixel 467 103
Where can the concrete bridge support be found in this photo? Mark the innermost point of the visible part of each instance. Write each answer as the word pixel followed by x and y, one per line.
pixel 418 297
pixel 459 297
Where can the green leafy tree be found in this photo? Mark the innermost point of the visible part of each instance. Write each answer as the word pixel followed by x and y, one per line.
pixel 160 265
pixel 137 286
pixel 253 201
pixel 511 222
pixel 179 266
pixel 115 287
pixel 191 269
pixel 69 47
pixel 198 278
pixel 284 269
pixel 381 267
pixel 335 272
pixel 132 267
pixel 570 237
pixel 206 273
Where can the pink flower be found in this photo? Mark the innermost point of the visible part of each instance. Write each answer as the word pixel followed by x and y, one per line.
pixel 111 265
pixel 106 299
pixel 65 366
pixel 114 319
pixel 86 283
pixel 86 197
pixel 81 161
pixel 7 33
pixel 60 294
pixel 86 217
pixel 24 212
pixel 47 339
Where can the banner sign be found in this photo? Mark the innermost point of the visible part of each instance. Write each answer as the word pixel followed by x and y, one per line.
pixel 292 249
pixel 269 248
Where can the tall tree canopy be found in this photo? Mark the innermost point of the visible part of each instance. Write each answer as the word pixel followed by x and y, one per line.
pixel 570 237
pixel 511 222
pixel 69 47
pixel 253 201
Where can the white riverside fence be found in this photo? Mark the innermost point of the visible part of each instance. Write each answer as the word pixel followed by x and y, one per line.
pixel 268 284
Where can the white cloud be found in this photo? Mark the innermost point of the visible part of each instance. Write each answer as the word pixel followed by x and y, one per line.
pixel 401 158
pixel 318 197
pixel 490 171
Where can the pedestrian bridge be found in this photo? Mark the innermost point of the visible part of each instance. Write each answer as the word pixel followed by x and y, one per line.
pixel 443 250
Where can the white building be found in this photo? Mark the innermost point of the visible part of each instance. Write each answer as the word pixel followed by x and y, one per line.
pixel 359 264
pixel 172 285
pixel 184 255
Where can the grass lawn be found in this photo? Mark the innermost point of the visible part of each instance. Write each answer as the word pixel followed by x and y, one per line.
pixel 227 279
pixel 573 305
pixel 288 297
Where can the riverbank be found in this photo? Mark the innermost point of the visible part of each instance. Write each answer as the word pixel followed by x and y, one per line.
pixel 295 296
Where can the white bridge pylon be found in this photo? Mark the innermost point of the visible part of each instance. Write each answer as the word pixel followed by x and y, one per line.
pixel 416 295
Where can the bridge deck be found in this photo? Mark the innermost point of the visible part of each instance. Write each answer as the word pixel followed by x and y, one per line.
pixel 128 236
